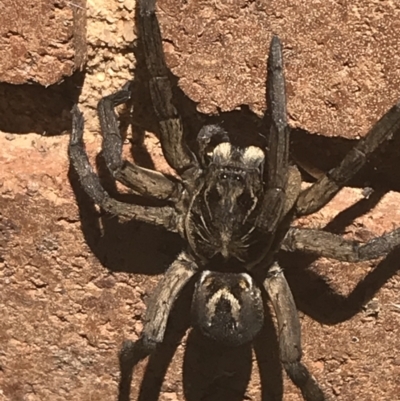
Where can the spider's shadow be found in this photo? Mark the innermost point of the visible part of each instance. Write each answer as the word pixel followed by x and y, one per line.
pixel 139 248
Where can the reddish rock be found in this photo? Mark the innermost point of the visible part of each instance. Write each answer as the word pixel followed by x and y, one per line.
pixel 41 41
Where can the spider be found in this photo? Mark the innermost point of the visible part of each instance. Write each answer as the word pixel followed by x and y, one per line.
pixel 232 206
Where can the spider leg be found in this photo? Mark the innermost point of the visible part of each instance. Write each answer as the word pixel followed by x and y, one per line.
pixel 334 246
pixel 208 137
pixel 144 181
pixel 158 310
pixel 169 121
pixel 322 191
pixel 162 216
pixel 278 140
pixel 290 334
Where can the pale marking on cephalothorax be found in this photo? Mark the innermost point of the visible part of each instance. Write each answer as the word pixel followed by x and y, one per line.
pixel 225 237
pixel 223 151
pixel 252 207
pixel 253 156
pixel 200 234
pixel 246 236
pixel 205 225
pixel 224 293
pixel 204 275
pixel 248 279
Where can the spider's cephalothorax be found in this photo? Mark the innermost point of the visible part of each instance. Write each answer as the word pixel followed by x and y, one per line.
pixel 233 213
pixel 223 209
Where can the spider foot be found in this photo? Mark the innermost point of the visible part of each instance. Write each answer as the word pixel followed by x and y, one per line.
pixel 77 125
pixel 107 103
pixel 131 353
pixel 127 86
pixel 123 95
pixel 302 378
pixel 134 351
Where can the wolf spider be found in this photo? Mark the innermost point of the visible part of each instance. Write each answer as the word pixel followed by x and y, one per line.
pixel 233 207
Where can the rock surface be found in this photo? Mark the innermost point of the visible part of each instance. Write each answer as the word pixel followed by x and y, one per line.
pixel 41 41
pixel 74 281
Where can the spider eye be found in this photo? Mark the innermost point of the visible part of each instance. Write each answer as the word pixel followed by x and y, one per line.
pixel 233 176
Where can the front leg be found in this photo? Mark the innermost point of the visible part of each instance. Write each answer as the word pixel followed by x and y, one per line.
pixel 164 216
pixel 290 334
pixel 170 125
pixel 159 307
pixel 278 141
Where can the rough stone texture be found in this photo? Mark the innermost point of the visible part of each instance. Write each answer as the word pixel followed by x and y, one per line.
pixel 341 58
pixel 73 281
pixel 41 41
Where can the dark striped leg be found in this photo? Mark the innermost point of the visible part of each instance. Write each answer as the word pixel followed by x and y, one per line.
pixel 159 308
pixel 278 140
pixel 290 334
pixel 169 121
pixel 162 216
pixel 334 246
pixel 144 181
pixel 322 191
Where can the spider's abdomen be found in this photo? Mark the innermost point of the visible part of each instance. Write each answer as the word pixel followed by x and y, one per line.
pixel 227 307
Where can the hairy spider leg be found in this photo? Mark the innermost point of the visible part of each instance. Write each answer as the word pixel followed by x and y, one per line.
pixel 327 186
pixel 170 124
pixel 112 140
pixel 278 141
pixel 276 204
pixel 290 334
pixel 146 182
pixel 162 216
pixel 159 307
pixel 334 246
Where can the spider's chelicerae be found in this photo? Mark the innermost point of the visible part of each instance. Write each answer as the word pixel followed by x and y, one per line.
pixel 233 207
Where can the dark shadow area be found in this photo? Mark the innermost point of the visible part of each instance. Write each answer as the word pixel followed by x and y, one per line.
pixel 321 154
pixel 313 294
pixel 158 362
pixel 33 108
pixel 345 217
pixel 131 246
pixel 316 298
pixel 213 371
